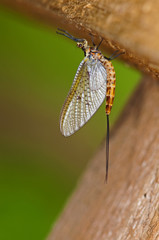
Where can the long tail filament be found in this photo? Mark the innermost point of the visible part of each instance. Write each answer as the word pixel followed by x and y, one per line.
pixel 107 149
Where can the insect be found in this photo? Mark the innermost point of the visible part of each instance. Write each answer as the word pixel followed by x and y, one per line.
pixel 94 81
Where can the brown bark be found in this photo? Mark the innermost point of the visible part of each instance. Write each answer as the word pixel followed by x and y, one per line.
pixel 130 26
pixel 127 207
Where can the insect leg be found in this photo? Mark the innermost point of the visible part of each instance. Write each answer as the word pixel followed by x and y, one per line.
pixel 114 55
pixel 92 39
pixel 68 35
pixel 99 43
pixel 62 30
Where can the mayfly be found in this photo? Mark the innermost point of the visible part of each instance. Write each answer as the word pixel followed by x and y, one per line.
pixel 94 81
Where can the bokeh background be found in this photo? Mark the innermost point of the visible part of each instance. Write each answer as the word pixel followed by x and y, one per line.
pixel 39 168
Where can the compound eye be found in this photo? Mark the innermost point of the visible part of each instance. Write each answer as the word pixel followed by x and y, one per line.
pixel 79 45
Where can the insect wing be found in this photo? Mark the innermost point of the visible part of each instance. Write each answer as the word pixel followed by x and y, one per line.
pixel 97 74
pixel 85 96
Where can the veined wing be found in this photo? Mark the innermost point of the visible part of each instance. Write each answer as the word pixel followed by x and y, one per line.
pixel 97 74
pixel 85 97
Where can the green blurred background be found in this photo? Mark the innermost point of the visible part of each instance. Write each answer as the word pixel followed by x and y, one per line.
pixel 39 168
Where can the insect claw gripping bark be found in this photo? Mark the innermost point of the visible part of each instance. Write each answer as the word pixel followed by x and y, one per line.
pixel 94 81
pixel 92 38
pixel 114 55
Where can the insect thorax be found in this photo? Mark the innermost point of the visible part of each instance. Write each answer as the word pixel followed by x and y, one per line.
pixel 93 54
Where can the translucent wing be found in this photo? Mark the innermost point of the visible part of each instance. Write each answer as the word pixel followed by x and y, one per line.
pixel 85 97
pixel 97 74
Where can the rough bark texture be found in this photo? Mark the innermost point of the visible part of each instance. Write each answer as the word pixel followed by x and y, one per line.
pixel 131 26
pixel 127 207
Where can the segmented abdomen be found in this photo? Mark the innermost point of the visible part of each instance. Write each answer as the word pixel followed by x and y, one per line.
pixel 111 83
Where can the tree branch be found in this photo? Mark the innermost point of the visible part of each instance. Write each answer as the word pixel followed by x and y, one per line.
pixel 130 26
pixel 126 207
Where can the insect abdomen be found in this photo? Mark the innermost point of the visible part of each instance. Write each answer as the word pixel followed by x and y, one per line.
pixel 111 83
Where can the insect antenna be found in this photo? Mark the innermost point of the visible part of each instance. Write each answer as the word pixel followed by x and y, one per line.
pixel 107 149
pixel 68 35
